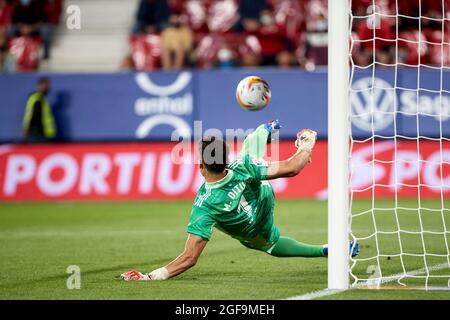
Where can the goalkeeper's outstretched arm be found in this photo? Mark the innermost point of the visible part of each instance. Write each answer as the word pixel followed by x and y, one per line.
pixel 186 260
pixel 305 142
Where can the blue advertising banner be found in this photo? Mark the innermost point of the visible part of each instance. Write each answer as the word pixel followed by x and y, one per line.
pixel 104 107
pixel 299 100
pixel 150 106
pixel 403 102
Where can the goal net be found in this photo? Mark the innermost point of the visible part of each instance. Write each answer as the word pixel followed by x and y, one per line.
pixel 400 143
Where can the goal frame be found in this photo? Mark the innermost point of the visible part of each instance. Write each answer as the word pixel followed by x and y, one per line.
pixel 338 144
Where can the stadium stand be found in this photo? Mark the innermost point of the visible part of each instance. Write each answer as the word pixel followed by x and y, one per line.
pixel 432 34
pixel 226 33
pixel 28 26
pixel 101 42
pixel 286 33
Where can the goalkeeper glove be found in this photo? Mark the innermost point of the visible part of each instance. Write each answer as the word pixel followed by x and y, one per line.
pixel 306 139
pixel 272 126
pixel 134 276
pixel 158 274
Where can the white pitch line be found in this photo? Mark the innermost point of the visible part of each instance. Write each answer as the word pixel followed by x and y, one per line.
pixel 397 276
pixel 316 294
pixel 329 292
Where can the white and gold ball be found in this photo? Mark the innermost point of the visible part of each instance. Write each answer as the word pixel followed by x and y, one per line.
pixel 253 93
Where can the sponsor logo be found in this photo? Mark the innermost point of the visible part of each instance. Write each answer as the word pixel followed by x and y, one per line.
pixel 260 162
pixel 146 171
pixel 372 103
pixel 163 108
pixel 398 172
pixel 436 107
pixel 119 171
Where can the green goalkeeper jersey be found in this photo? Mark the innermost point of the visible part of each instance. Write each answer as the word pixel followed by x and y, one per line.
pixel 241 205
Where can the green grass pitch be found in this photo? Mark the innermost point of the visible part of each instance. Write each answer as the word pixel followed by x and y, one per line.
pixel 39 241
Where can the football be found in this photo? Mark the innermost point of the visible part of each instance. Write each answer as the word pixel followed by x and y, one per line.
pixel 253 93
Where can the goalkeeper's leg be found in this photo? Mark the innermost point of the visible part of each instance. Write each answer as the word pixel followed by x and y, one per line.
pixel 287 247
pixel 284 247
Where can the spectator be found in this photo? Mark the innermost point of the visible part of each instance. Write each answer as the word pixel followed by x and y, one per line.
pixel 177 41
pixel 285 60
pixel 251 59
pixel 316 41
pixel 249 11
pixel 38 122
pixel 7 61
pixel 383 32
pixel 432 9
pixel 272 38
pixel 226 57
pixel 363 56
pixel 29 19
pixel 385 56
pixel 6 8
pixel 152 16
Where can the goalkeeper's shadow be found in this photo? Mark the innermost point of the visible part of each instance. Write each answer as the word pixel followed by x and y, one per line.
pixel 118 268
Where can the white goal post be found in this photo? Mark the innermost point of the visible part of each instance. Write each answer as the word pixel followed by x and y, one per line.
pixel 389 143
pixel 338 143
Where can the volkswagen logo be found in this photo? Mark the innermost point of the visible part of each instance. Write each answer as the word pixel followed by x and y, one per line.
pixel 372 103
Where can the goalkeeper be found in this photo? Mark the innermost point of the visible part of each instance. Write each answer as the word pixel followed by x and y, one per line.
pixel 238 200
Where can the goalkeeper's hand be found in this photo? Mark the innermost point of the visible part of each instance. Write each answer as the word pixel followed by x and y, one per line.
pixel 306 139
pixel 158 274
pixel 134 276
pixel 272 126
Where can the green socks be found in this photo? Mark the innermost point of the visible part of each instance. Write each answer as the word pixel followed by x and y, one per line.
pixel 287 247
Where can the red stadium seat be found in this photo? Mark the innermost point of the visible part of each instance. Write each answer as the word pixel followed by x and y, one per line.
pixel 196 12
pixel 250 44
pixel 409 41
pixel 439 47
pixel 208 15
pixel 222 16
pixel 291 15
pixel 243 44
pixel 176 5
pixel 207 50
pixel 53 9
pixel 26 51
pixel 146 51
pixel 239 44
pixel 355 45
pixel 5 17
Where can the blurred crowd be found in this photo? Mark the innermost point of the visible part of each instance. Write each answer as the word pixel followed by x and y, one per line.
pixel 406 32
pixel 174 34
pixel 26 32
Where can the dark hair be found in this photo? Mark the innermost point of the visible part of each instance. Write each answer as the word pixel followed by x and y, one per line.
pixel 213 154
